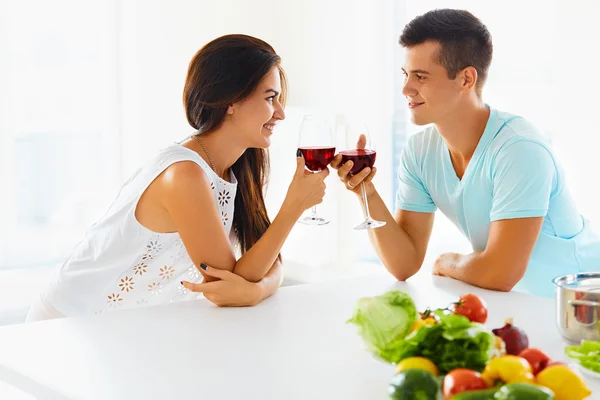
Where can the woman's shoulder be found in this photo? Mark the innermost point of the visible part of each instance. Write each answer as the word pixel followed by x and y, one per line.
pixel 176 153
pixel 185 172
pixel 181 167
pixel 183 163
pixel 182 170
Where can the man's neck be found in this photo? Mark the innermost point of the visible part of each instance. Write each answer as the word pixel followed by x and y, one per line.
pixel 461 130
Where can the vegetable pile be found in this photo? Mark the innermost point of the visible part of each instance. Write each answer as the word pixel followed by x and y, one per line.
pixel 448 353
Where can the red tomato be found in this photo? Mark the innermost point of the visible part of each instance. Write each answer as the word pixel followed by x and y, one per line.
pixel 537 358
pixel 472 307
pixel 462 380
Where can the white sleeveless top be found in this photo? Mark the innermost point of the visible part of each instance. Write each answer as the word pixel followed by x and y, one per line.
pixel 122 264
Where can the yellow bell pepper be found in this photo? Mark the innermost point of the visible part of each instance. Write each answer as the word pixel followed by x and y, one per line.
pixel 508 369
pixel 429 321
pixel 564 382
pixel 417 363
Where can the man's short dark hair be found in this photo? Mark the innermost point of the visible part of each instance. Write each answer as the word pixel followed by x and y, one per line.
pixel 464 39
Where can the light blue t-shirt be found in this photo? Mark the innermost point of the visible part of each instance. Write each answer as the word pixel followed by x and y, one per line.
pixel 512 174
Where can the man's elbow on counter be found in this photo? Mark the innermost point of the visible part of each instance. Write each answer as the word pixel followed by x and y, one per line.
pixel 402 273
pixel 500 285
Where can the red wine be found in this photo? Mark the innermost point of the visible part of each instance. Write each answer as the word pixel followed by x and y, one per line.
pixel 361 158
pixel 317 158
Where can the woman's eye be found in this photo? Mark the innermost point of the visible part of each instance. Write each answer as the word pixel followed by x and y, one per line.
pixel 270 99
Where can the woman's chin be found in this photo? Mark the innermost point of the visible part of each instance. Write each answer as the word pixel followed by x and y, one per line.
pixel 265 143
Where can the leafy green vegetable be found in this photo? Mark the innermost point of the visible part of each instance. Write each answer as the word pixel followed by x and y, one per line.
pixel 588 354
pixel 455 342
pixel 384 321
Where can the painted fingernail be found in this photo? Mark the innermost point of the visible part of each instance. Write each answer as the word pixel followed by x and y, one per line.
pixel 181 282
pixel 298 153
pixel 203 266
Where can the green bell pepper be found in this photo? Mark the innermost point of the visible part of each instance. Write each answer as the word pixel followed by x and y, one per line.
pixel 523 391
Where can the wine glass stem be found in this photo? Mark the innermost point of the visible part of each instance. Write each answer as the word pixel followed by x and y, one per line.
pixel 314 211
pixel 364 198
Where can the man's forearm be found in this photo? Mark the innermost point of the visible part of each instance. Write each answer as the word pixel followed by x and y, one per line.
pixel 475 269
pixel 393 245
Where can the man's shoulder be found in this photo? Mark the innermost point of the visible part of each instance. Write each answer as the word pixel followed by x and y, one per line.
pixel 425 140
pixel 512 128
pixel 515 134
pixel 518 140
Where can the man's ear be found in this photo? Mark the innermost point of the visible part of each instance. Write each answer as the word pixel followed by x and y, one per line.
pixel 468 78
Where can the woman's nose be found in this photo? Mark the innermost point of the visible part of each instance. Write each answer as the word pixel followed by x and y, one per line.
pixel 279 112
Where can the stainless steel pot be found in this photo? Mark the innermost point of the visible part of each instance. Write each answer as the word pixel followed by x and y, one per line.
pixel 578 306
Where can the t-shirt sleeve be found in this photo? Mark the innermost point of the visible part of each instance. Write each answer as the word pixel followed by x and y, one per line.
pixel 412 195
pixel 524 176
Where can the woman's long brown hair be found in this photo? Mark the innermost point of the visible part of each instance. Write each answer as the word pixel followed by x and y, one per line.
pixel 223 72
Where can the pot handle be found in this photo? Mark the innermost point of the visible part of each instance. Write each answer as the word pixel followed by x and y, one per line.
pixel 584 303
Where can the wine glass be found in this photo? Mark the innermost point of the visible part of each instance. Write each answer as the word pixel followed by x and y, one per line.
pixel 361 150
pixel 316 144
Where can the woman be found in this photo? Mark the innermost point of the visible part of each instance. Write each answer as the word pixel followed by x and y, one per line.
pixel 175 216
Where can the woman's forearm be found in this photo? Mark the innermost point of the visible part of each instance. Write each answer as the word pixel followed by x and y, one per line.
pixel 272 280
pixel 257 261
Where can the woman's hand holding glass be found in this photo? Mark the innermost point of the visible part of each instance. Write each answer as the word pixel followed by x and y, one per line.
pixel 316 146
pixel 307 189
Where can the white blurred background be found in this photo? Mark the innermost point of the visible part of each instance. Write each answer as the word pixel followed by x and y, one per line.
pixel 90 89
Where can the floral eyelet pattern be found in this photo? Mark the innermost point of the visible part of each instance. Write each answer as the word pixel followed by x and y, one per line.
pixel 140 269
pixel 166 272
pixel 193 274
pixel 224 198
pixel 153 247
pixel 114 300
pixel 224 218
pixel 182 290
pixel 127 284
pixel 155 288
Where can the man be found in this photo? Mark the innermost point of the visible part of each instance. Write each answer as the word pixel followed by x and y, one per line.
pixel 491 173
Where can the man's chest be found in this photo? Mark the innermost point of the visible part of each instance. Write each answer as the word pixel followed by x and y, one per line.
pixel 467 203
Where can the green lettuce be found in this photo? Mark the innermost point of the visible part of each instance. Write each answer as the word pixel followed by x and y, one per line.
pixel 384 321
pixel 455 342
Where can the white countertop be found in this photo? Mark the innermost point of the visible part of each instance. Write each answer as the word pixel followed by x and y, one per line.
pixel 294 345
